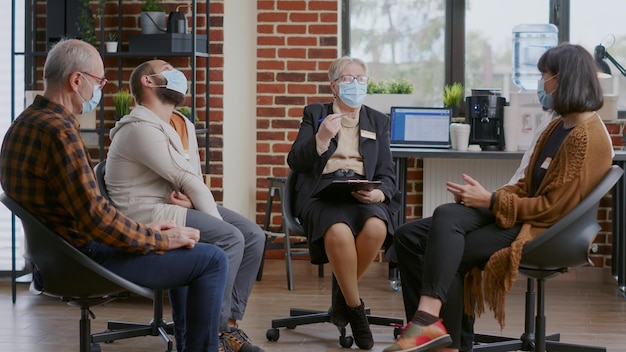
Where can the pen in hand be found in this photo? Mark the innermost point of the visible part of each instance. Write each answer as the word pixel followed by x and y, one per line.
pixel 324 118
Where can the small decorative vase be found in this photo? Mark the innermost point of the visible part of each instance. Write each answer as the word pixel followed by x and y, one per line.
pixel 111 47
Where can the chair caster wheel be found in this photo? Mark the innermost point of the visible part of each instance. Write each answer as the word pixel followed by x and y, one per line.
pixel 94 348
pixel 396 332
pixel 272 334
pixel 396 285
pixel 346 341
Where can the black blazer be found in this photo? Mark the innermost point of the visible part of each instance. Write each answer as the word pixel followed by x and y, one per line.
pixel 377 160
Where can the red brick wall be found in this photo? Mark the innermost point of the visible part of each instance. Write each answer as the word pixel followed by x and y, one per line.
pixel 297 41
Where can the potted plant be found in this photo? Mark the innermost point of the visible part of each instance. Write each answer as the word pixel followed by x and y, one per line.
pixel 152 17
pixel 122 101
pixel 382 95
pixel 110 42
pixel 452 97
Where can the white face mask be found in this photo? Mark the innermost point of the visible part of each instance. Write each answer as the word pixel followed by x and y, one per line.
pixel 175 80
pixel 89 105
pixel 352 94
pixel 544 97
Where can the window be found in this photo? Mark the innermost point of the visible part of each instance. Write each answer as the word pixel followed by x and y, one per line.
pixel 401 39
pixel 406 39
pixel 488 40
pixel 601 22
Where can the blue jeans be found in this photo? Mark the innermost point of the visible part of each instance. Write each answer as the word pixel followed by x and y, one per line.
pixel 202 270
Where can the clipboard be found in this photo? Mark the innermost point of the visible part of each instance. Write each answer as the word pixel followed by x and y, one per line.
pixel 344 188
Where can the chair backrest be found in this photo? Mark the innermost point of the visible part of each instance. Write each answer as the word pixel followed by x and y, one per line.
pixel 566 243
pixel 288 200
pixel 67 273
pixel 100 170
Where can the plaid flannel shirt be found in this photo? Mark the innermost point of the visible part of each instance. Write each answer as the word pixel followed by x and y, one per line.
pixel 45 166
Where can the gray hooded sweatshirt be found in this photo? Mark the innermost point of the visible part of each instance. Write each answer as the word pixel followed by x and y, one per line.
pixel 146 161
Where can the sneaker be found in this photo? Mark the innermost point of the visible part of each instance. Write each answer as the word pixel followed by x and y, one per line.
pixel 223 345
pixel 240 342
pixel 421 338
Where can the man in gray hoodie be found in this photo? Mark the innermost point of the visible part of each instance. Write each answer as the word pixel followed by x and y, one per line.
pixel 153 171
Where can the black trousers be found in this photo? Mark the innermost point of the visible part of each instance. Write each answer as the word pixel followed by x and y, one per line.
pixel 435 253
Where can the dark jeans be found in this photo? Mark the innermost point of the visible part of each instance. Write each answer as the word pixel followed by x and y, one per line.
pixel 435 253
pixel 202 269
pixel 243 241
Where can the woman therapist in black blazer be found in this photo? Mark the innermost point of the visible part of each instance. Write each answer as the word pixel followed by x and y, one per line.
pixel 343 140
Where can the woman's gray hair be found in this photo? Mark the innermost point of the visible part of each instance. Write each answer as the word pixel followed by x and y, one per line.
pixel 339 64
pixel 65 57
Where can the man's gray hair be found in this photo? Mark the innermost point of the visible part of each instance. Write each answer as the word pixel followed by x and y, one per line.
pixel 65 57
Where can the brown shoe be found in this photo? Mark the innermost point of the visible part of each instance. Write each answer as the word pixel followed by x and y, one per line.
pixel 240 342
pixel 360 327
pixel 223 345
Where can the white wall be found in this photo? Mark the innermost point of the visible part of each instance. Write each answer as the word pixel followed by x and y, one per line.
pixel 240 108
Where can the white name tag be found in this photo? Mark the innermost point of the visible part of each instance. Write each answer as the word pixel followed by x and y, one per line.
pixel 368 134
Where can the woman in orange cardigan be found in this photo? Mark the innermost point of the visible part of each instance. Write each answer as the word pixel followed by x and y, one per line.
pixel 489 229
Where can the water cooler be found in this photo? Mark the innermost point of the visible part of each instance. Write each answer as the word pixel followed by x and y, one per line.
pixel 524 115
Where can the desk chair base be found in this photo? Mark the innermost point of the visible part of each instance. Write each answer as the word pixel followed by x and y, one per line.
pixel 299 317
pixel 534 337
pixel 118 330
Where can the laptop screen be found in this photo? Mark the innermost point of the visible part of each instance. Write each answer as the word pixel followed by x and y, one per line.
pixel 420 127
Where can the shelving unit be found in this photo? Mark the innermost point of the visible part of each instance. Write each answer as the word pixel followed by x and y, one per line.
pixel 31 54
pixel 193 54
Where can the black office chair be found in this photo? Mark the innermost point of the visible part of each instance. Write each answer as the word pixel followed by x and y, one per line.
pixel 564 245
pixel 158 326
pixel 68 274
pixel 299 316
pixel 290 225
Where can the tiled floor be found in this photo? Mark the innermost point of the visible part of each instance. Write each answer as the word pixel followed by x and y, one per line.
pixel 583 305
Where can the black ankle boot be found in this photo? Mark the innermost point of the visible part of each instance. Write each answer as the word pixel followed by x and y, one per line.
pixel 360 327
pixel 339 309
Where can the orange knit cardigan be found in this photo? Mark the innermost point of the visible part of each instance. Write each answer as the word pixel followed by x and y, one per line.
pixel 580 163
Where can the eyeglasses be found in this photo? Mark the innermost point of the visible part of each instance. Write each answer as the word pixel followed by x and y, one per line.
pixel 350 79
pixel 100 80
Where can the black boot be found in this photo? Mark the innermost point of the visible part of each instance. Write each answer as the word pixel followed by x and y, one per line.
pixel 360 327
pixel 339 309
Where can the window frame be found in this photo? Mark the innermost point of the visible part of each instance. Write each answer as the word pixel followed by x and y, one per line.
pixel 454 62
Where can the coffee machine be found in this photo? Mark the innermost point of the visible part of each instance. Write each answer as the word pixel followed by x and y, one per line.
pixel 485 114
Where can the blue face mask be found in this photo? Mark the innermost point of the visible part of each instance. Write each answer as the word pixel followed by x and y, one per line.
pixel 353 94
pixel 91 104
pixel 175 80
pixel 544 98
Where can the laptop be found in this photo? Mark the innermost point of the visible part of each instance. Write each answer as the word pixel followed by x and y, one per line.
pixel 420 127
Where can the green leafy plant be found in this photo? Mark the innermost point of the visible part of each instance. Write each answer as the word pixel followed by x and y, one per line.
pixel 86 23
pixel 453 94
pixel 111 36
pixel 122 101
pixel 152 6
pixel 390 87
